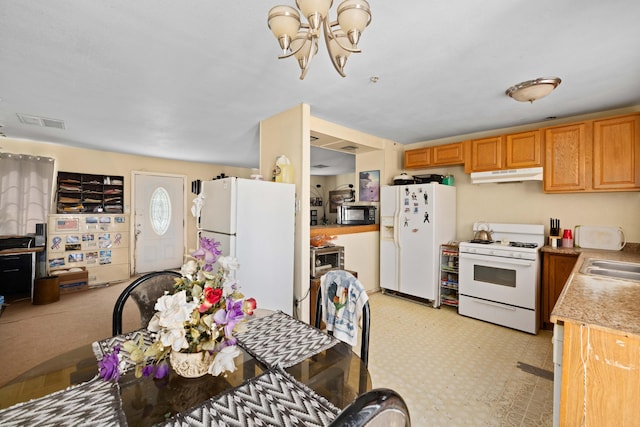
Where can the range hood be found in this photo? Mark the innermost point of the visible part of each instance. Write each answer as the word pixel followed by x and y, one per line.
pixel 509 175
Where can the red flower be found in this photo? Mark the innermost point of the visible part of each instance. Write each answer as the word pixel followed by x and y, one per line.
pixel 212 296
pixel 250 305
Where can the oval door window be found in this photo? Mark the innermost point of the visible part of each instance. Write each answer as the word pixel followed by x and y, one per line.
pixel 160 211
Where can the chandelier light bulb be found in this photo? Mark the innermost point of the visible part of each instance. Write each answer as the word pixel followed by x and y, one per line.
pixel 353 17
pixel 315 11
pixel 284 22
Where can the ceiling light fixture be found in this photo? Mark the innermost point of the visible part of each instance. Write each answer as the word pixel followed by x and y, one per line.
pixel 532 90
pixel 301 40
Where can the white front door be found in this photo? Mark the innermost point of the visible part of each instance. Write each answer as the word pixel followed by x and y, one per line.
pixel 159 223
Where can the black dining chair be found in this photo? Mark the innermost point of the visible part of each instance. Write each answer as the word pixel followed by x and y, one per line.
pixel 145 291
pixel 365 315
pixel 381 407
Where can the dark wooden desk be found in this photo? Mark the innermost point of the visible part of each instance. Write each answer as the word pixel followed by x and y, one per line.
pixel 17 272
pixel 337 374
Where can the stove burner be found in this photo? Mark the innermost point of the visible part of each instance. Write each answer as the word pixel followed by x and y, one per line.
pixel 523 245
pixel 484 242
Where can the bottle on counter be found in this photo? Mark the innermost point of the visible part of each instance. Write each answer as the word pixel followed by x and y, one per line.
pixel 567 239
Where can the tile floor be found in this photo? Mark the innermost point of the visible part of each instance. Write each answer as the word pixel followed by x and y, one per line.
pixel 456 371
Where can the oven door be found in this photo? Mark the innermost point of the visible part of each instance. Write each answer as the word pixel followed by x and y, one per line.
pixel 506 280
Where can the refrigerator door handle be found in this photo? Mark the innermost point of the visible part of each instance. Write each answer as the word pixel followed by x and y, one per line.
pixel 396 239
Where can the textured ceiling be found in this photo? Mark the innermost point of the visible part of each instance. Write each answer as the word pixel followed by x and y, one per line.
pixel 192 80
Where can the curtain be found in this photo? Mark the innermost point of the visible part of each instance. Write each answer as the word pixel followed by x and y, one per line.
pixel 25 192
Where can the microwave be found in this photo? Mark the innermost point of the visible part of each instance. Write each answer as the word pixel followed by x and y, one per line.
pixel 356 215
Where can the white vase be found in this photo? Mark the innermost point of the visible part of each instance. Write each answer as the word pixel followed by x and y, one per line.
pixel 190 365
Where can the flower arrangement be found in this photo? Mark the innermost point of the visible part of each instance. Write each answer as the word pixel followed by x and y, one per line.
pixel 201 315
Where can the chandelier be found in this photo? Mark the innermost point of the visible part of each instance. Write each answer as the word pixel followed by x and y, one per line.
pixel 300 40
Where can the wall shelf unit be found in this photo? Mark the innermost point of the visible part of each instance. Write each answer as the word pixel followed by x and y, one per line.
pixel 88 194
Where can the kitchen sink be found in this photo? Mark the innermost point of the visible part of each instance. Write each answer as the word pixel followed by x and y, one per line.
pixel 614 269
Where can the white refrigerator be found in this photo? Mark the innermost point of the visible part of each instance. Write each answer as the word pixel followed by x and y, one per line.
pixel 255 222
pixel 414 221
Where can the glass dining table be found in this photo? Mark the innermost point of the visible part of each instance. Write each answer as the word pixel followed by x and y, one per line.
pixel 275 346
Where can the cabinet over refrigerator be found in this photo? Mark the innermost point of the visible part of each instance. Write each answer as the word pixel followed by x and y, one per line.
pixel 255 222
pixel 415 220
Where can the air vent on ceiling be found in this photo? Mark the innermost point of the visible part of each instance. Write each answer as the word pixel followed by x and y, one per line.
pixel 349 148
pixel 320 166
pixel 41 121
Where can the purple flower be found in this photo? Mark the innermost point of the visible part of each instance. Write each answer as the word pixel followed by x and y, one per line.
pixel 208 252
pixel 109 366
pixel 148 370
pixel 229 317
pixel 158 371
pixel 226 343
pixel 161 370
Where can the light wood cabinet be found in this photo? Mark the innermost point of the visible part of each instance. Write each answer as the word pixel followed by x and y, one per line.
pixel 595 155
pixel 448 154
pixel 524 150
pixel 486 154
pixel 556 269
pixel 599 377
pixel 418 158
pixel 439 155
pixel 567 151
pixel 616 152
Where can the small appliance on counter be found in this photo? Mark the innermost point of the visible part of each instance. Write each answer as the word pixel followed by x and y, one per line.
pixel 325 259
pixel 356 215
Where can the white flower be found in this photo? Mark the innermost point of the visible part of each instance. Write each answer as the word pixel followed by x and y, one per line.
pixel 176 338
pixel 172 312
pixel 224 360
pixel 228 263
pixel 189 268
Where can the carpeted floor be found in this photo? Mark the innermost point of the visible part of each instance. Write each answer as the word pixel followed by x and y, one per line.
pixel 31 334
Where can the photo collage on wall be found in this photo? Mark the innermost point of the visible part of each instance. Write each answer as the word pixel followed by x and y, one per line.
pixel 88 241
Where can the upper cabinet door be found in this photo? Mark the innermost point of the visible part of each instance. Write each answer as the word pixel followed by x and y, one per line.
pixel 524 150
pixel 485 154
pixel 566 156
pixel 448 154
pixel 418 158
pixel 616 148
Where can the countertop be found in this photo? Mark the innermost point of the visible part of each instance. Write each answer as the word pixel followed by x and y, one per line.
pixel 337 229
pixel 612 305
pixel 629 247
